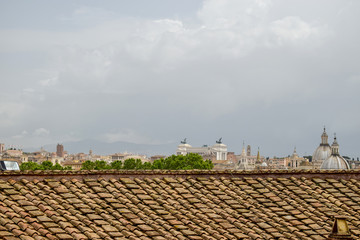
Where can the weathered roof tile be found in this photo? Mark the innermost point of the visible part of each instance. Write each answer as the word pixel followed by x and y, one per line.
pixel 168 206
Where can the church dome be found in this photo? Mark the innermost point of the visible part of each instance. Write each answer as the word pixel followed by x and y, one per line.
pixel 322 152
pixel 335 161
pixel 264 164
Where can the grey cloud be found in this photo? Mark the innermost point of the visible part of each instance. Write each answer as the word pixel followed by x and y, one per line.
pixel 271 73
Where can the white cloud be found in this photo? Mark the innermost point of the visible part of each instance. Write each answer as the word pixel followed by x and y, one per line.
pixel 292 29
pixel 217 14
pixel 49 81
pixel 23 134
pixel 127 135
pixel 41 132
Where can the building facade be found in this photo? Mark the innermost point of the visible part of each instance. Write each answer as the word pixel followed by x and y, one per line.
pixel 217 152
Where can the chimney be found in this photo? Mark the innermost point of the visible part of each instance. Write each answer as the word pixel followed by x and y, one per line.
pixel 340 230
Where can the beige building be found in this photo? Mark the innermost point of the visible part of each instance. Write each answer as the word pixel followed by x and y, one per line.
pixel 74 164
pixel 278 163
pixel 296 162
pixel 14 154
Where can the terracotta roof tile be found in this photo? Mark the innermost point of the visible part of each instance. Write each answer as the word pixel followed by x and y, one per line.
pixel 176 205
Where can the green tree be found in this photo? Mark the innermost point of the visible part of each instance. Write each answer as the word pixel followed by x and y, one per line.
pixel 46 165
pixel 57 166
pixel 88 165
pixel 187 162
pixel 129 163
pixel 158 164
pixel 100 165
pixel 116 164
pixel 138 164
pixel 29 166
pixel 146 165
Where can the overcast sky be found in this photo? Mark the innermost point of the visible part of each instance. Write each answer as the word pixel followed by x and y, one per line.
pixel 270 73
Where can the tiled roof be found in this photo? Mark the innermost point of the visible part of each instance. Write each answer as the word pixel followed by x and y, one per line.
pixel 177 204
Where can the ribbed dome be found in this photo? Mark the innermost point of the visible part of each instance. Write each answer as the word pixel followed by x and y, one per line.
pixel 321 153
pixel 335 162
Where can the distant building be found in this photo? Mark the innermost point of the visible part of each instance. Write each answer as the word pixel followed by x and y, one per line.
pixel 156 157
pixel 38 157
pixel 125 156
pixel 74 164
pixel 2 148
pixel 260 163
pixel 242 159
pixel 248 151
pixel 13 152
pixel 277 163
pixel 245 161
pixel 217 152
pixel 296 162
pixel 335 161
pixel 231 157
pixel 117 157
pixel 322 152
pixel 60 150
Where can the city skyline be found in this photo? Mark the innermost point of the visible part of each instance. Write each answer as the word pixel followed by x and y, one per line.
pixel 124 147
pixel 270 73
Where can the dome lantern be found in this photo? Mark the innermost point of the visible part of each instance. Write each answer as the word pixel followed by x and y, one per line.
pixel 324 138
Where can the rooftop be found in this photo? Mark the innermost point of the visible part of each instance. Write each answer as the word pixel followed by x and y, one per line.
pixel 193 204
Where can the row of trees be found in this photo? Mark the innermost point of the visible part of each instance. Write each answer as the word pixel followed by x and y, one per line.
pixel 187 162
pixel 46 165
